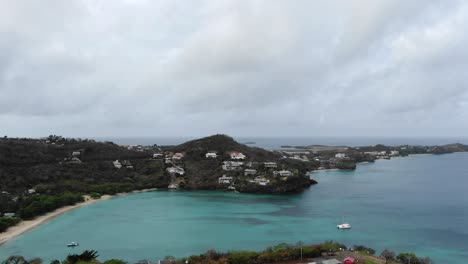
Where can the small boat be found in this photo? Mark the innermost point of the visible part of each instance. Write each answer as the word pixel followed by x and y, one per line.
pixel 73 244
pixel 344 226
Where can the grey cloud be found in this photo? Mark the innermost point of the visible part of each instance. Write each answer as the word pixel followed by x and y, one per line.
pixel 242 67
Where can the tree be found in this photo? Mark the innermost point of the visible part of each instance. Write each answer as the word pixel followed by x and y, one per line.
pixel 87 256
pixel 387 255
pixel 114 261
pixel 15 260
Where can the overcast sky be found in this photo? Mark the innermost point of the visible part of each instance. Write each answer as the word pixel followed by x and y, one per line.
pixel 245 68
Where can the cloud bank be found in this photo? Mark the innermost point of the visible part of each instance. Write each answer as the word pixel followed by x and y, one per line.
pixel 246 68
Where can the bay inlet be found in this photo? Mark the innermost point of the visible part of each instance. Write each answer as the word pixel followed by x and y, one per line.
pixel 415 204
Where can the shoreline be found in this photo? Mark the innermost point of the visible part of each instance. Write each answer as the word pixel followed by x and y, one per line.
pixel 27 225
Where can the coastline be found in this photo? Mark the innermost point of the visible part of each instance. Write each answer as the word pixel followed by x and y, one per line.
pixel 27 225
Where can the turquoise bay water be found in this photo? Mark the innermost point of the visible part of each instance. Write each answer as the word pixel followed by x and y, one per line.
pixel 417 204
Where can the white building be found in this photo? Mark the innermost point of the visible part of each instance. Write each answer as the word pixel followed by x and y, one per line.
pixel 224 180
pixel 237 155
pixel 117 164
pixel 283 173
pixel 76 153
pixel 232 165
pixel 173 186
pixel 394 153
pixel 260 181
pixel 31 191
pixel 175 170
pixel 340 155
pixel 250 172
pixel 158 156
pixel 211 155
pixel 9 215
pixel 270 164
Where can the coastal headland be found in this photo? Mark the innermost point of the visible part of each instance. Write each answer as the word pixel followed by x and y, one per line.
pixel 43 178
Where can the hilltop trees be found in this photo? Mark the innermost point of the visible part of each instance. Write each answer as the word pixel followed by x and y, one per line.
pixel 387 255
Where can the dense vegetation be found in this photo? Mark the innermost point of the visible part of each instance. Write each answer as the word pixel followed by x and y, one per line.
pixel 282 253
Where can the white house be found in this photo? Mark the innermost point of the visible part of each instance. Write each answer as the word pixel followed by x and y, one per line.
pixel 158 156
pixel 260 181
pixel 117 164
pixel 175 170
pixel 173 186
pixel 211 155
pixel 76 153
pixel 340 155
pixel 270 164
pixel 31 191
pixel 250 172
pixel 232 165
pixel 9 215
pixel 224 180
pixel 283 173
pixel 394 153
pixel 236 155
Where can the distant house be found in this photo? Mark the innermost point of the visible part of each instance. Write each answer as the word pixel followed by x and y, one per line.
pixel 175 170
pixel 235 155
pixel 173 186
pixel 9 215
pixel 178 156
pixel 340 155
pixel 74 160
pixel 211 154
pixel 76 153
pixel 394 153
pixel 158 155
pixel 283 173
pixel 224 180
pixel 270 164
pixel 31 191
pixel 250 172
pixel 260 181
pixel 232 165
pixel 117 164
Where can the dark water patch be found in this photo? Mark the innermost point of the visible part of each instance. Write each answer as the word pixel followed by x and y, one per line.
pixel 294 211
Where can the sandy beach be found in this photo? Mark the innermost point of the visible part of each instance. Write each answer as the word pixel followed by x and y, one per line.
pixel 25 226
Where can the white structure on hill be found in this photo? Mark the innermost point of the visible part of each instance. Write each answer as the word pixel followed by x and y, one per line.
pixel 235 155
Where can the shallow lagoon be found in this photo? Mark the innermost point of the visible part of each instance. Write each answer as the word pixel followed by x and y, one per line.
pixel 418 204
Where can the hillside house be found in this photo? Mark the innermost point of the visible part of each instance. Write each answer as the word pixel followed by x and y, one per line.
pixel 158 155
pixel 225 180
pixel 260 181
pixel 270 164
pixel 9 215
pixel 76 154
pixel 211 155
pixel 232 165
pixel 340 155
pixel 175 170
pixel 31 191
pixel 117 164
pixel 236 155
pixel 248 172
pixel 283 173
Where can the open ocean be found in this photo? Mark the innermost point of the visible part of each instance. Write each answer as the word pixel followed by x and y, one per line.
pixel 416 204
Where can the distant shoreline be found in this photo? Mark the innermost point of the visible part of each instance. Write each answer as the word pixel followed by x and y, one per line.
pixel 27 225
